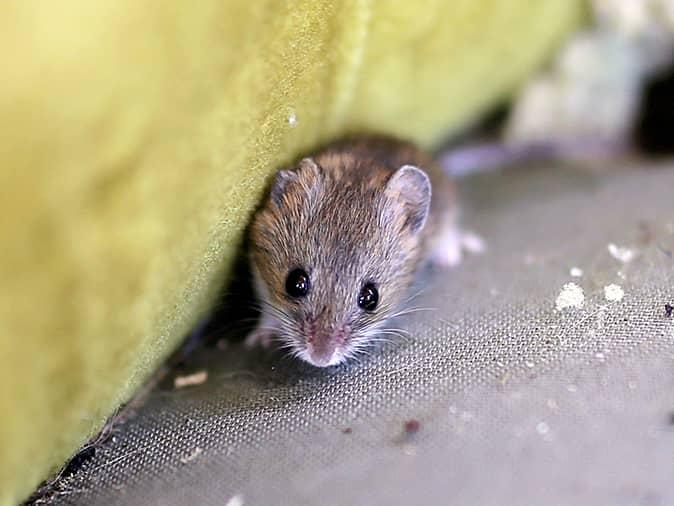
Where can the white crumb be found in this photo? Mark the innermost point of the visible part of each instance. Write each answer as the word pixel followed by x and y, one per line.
pixel 571 296
pixel 624 255
pixel 189 458
pixel 236 500
pixel 542 428
pixel 190 380
pixel 472 242
pixel 576 272
pixel 613 293
pixel 292 119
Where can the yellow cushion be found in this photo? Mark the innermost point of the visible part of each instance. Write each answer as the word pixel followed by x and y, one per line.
pixel 137 138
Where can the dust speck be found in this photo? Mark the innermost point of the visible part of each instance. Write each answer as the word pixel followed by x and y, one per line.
pixel 473 243
pixel 409 450
pixel 542 428
pixel 624 255
pixel 571 296
pixel 189 458
pixel 576 272
pixel 292 119
pixel 669 310
pixel 236 500
pixel 613 293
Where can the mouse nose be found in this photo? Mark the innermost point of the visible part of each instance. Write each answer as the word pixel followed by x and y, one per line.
pixel 321 352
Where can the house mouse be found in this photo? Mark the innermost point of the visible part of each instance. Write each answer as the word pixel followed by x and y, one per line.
pixel 336 245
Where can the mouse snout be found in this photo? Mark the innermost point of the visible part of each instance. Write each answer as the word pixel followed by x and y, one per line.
pixel 321 351
pixel 323 346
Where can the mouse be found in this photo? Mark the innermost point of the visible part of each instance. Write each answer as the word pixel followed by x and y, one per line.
pixel 336 245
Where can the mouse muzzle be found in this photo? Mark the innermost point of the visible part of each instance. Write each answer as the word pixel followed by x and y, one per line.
pixel 324 341
pixel 322 352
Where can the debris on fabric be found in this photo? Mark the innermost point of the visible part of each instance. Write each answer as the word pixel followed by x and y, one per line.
pixel 668 253
pixel 347 430
pixel 613 293
pixel 472 242
pixel 543 429
pixel 669 310
pixel 571 296
pixel 622 254
pixel 505 378
pixel 412 427
pixel 236 500
pixel 189 458
pixel 292 119
pixel 576 272
pixel 190 379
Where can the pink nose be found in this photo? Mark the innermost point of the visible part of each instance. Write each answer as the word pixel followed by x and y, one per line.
pixel 321 351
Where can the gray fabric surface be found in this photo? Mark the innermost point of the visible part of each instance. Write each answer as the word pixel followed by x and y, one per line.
pixel 518 403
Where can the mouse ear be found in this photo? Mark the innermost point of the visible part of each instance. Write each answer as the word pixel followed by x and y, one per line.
pixel 304 177
pixel 410 187
pixel 281 182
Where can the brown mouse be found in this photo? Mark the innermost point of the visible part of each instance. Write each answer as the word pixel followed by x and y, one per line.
pixel 335 247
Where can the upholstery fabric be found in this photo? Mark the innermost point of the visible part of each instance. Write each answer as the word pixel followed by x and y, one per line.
pixel 516 402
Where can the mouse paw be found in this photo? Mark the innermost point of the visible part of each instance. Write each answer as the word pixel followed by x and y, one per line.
pixel 449 248
pixel 259 337
pixel 263 334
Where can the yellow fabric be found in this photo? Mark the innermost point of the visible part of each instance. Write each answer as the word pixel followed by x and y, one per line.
pixel 136 138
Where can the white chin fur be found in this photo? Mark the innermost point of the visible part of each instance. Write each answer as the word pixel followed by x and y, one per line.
pixel 337 358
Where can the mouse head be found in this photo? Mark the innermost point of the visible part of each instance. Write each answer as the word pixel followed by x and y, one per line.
pixel 334 252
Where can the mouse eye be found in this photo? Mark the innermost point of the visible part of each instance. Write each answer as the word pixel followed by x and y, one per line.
pixel 297 283
pixel 368 297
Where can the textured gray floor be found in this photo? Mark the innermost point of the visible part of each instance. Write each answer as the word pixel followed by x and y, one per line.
pixel 517 403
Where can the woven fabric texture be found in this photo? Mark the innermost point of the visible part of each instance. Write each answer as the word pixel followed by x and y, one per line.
pixel 497 397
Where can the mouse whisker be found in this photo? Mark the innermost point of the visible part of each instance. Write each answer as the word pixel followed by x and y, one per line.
pixel 412 310
pixel 398 337
pixel 413 296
